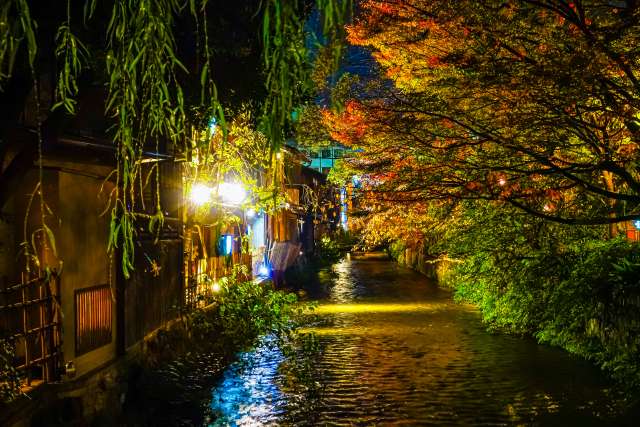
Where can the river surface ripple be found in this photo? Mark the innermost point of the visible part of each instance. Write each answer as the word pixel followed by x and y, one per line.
pixel 394 349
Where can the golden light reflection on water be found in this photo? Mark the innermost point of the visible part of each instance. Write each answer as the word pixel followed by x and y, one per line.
pixel 380 308
pixel 359 330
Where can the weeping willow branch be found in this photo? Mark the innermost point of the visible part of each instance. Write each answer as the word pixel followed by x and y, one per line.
pixel 287 70
pixel 146 100
pixel 334 14
pixel 71 54
pixel 289 73
pixel 16 25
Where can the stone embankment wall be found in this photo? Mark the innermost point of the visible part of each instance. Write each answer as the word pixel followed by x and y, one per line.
pixel 437 268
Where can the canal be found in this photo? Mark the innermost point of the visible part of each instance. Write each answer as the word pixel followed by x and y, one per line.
pixel 388 347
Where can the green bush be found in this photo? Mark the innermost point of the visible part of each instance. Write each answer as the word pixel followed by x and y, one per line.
pixel 566 286
pixel 396 251
pixel 243 311
pixel 329 250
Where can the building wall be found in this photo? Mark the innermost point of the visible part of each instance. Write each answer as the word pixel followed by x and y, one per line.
pixel 153 297
pixel 82 245
pixel 8 230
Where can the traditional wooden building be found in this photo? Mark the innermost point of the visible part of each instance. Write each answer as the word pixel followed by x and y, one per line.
pixel 64 301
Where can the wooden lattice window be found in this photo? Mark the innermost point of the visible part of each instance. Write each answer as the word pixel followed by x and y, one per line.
pixel 632 230
pixel 94 318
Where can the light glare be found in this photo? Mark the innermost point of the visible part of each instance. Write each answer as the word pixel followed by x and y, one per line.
pixel 200 194
pixel 263 270
pixel 232 193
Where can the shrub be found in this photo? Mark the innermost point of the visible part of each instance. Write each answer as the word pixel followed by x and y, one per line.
pixel 243 311
pixel 566 286
pixel 329 250
pixel 9 377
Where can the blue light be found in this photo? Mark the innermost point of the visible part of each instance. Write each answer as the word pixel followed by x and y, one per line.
pixel 213 126
pixel 228 242
pixel 263 270
pixel 636 224
pixel 343 209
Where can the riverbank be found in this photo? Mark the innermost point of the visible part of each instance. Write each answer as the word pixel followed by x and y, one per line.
pixel 584 299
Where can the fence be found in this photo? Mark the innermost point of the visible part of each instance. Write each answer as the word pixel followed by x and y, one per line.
pixel 30 317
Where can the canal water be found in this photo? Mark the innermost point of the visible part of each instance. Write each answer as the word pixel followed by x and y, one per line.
pixel 388 347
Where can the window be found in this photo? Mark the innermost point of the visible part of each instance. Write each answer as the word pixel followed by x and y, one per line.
pixel 93 318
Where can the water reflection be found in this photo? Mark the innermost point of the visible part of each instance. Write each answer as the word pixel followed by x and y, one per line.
pixel 342 290
pixel 391 348
pixel 248 393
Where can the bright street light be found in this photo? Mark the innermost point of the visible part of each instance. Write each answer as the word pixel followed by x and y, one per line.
pixel 232 193
pixel 200 194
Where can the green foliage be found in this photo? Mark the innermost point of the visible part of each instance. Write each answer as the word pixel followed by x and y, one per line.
pixel 286 67
pixel 240 156
pixel 243 311
pixel 310 131
pixel 596 307
pixel 16 26
pixel 340 174
pixel 396 250
pixel 564 285
pixel 9 377
pixel 71 53
pixel 146 101
pixel 289 75
pixel 329 250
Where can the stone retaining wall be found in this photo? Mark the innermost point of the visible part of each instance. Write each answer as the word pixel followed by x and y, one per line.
pixel 438 269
